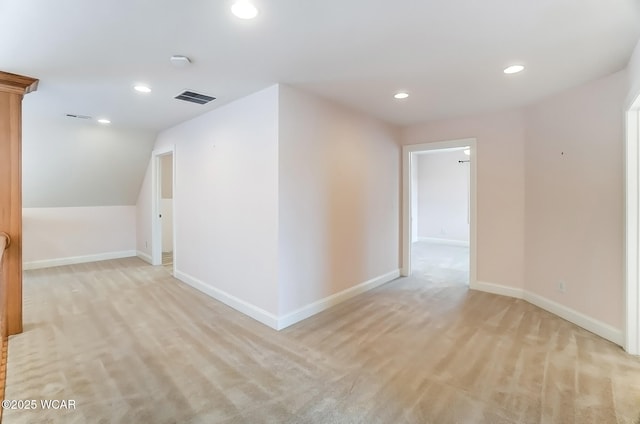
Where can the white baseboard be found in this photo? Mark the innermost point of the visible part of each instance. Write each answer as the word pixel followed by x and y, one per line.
pixel 497 289
pixel 595 326
pixel 329 301
pixel 238 304
pixel 278 323
pixel 444 241
pixel 144 256
pixel 48 263
pixel 603 330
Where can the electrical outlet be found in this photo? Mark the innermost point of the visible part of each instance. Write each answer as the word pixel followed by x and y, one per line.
pixel 561 286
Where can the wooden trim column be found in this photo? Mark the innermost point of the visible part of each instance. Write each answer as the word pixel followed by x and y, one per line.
pixel 5 242
pixel 12 89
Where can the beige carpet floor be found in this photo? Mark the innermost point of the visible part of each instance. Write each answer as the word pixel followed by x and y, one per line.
pixel 130 344
pixel 167 261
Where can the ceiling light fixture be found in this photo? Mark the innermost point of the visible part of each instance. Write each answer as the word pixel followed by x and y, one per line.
pixel 243 9
pixel 180 61
pixel 401 95
pixel 513 69
pixel 142 88
pixel 104 121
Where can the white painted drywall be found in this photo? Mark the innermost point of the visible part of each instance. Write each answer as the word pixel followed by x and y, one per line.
pixel 69 162
pixel 166 186
pixel 143 216
pixel 226 198
pixel 282 199
pixel 500 188
pixel 54 234
pixel 415 168
pixel 166 201
pixel 574 197
pixel 339 185
pixel 166 209
pixel 443 196
pixel 633 76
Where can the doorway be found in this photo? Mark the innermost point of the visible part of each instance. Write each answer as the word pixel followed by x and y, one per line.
pixel 632 235
pixel 163 216
pixel 440 239
pixel 440 215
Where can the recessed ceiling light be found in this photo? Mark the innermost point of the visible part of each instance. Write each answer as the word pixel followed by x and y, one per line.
pixel 104 121
pixel 142 88
pixel 243 9
pixel 401 95
pixel 513 69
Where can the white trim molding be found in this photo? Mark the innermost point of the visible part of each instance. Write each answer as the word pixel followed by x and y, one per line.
pixel 595 326
pixel 434 240
pixel 144 256
pixel 335 299
pixel 497 289
pixel 259 314
pixel 278 323
pixel 72 260
pixel 632 229
pixel 599 328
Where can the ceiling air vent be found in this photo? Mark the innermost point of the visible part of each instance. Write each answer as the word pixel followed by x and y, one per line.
pixel 73 115
pixel 193 97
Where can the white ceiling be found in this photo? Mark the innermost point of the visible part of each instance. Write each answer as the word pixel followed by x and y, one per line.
pixel 448 54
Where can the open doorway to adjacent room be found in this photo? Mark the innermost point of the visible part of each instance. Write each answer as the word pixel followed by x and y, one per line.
pixel 439 212
pixel 163 251
pixel 166 208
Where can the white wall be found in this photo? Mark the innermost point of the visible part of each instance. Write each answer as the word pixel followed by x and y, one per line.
pixel 81 163
pixel 443 196
pixel 166 209
pixel 500 188
pixel 58 236
pixel 226 201
pixel 339 183
pixel 166 202
pixel 633 75
pixel 282 199
pixel 415 169
pixel 143 217
pixel 575 199
pixel 166 185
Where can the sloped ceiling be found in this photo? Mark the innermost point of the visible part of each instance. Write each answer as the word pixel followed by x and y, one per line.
pixel 69 163
pixel 448 55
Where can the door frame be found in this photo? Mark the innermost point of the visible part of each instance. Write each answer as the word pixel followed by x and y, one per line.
pixel 156 196
pixel 408 153
pixel 632 227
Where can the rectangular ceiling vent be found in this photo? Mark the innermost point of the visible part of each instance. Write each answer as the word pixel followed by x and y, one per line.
pixel 73 115
pixel 193 97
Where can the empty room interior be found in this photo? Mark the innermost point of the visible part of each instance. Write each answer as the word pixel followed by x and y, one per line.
pixel 276 211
